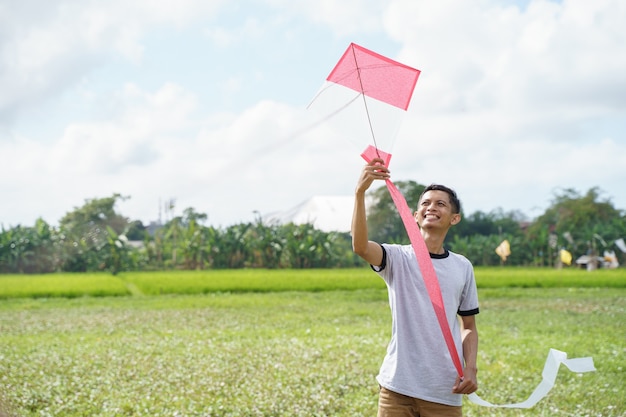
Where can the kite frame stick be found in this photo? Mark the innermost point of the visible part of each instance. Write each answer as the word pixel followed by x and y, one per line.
pixel 367 112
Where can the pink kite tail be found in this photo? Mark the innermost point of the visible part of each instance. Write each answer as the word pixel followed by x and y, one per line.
pixel 422 255
pixel 428 270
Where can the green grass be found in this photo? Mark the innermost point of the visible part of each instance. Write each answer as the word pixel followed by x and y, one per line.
pixel 262 280
pixel 252 280
pixel 61 285
pixel 223 351
pixel 186 282
pixel 498 277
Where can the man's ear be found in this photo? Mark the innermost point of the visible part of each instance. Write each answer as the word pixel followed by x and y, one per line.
pixel 456 218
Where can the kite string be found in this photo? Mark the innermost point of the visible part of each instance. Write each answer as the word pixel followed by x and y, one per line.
pixel 318 122
pixel 367 112
pixel 298 133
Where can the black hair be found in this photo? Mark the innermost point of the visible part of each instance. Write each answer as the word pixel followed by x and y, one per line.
pixel 454 200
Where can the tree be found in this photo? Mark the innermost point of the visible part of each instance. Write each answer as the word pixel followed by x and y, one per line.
pixel 115 256
pixel 577 220
pixel 94 237
pixel 136 230
pixel 191 215
pixel 85 233
pixel 384 222
pixel 96 212
pixel 308 247
pixel 231 249
pixel 496 222
pixel 268 244
pixel 29 249
pixel 194 245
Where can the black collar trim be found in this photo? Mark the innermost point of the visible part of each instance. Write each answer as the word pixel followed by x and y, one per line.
pixel 443 255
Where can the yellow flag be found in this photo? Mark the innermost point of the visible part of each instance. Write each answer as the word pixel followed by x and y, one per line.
pixel 566 257
pixel 503 250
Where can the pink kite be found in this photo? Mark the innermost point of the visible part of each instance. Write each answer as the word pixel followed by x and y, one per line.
pixel 371 92
pixel 375 76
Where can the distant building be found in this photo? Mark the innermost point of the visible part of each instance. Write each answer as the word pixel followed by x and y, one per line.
pixel 153 227
pixel 325 213
pixel 588 262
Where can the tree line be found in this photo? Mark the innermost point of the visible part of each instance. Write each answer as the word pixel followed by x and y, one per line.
pixel 95 237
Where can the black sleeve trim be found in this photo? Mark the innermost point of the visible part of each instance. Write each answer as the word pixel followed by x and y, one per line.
pixel 468 312
pixel 383 263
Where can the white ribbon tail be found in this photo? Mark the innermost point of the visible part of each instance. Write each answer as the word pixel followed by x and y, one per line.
pixel 550 370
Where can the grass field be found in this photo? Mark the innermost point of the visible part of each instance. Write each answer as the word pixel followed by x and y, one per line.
pixel 263 280
pixel 242 344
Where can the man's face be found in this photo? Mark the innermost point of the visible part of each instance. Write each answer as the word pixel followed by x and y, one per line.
pixel 434 211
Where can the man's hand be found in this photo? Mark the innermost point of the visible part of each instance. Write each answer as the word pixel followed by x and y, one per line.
pixel 469 383
pixel 374 170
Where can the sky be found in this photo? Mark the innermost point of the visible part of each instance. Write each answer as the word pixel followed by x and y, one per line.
pixel 205 103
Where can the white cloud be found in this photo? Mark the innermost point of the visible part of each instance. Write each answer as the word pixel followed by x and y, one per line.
pixel 511 105
pixel 527 100
pixel 548 55
pixel 98 158
pixel 48 46
pixel 345 18
pixel 156 147
pixel 105 147
pixel 227 36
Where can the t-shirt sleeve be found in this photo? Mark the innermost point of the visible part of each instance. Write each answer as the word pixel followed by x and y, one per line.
pixel 383 263
pixel 469 298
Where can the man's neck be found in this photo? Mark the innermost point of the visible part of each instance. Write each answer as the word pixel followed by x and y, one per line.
pixel 434 242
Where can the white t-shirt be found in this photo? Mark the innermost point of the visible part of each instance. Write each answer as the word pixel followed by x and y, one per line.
pixel 418 362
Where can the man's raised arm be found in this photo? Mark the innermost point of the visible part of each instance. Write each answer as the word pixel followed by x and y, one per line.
pixel 368 250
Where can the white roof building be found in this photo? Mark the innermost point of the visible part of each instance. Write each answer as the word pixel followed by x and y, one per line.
pixel 325 213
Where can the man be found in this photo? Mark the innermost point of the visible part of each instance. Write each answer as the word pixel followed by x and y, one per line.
pixel 417 377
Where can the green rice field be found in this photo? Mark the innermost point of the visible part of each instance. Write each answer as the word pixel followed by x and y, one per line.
pixel 288 342
pixel 69 285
